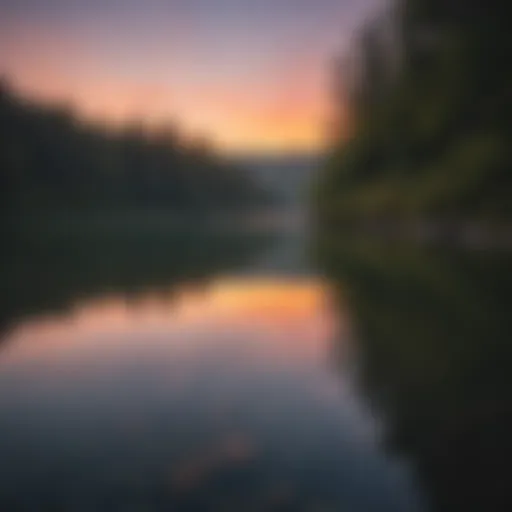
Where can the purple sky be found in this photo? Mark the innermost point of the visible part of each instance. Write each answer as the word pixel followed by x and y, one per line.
pixel 250 74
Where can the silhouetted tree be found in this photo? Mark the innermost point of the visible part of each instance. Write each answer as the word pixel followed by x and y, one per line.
pixel 51 160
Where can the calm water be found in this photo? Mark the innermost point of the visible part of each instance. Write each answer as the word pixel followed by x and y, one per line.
pixel 259 384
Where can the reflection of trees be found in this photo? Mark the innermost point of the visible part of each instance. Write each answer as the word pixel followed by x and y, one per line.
pixel 41 272
pixel 435 331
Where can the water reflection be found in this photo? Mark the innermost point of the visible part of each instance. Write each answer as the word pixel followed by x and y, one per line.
pixel 433 327
pixel 222 397
pixel 50 268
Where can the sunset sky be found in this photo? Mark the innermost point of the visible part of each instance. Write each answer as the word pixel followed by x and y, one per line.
pixel 250 74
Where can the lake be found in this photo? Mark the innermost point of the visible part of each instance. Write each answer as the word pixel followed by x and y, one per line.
pixel 253 373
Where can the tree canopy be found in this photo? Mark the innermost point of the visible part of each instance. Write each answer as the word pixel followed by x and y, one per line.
pixel 52 160
pixel 430 114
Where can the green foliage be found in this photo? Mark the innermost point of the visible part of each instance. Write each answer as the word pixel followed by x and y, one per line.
pixel 434 138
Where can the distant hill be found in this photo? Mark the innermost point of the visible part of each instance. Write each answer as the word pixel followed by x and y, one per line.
pixel 286 176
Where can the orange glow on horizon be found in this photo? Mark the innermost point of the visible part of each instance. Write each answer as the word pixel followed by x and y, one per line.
pixel 283 108
pixel 233 123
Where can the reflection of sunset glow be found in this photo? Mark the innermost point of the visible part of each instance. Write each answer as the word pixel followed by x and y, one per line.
pixel 284 318
pixel 235 381
pixel 268 296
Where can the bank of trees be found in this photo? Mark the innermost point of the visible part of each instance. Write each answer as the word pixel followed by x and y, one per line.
pixel 433 340
pixel 429 100
pixel 51 161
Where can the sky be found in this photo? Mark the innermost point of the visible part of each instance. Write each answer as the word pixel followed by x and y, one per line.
pixel 251 75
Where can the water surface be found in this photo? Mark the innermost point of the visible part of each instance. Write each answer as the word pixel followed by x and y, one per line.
pixel 236 391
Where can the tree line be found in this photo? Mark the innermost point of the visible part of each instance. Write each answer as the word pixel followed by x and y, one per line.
pixel 426 131
pixel 51 160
